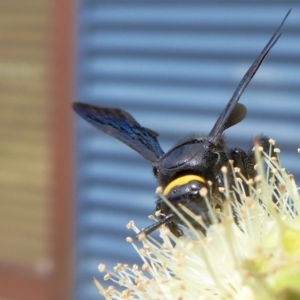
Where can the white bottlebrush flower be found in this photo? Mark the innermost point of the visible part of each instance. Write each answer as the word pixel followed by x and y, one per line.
pixel 257 256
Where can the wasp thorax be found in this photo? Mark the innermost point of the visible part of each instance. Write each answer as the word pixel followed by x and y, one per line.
pixel 195 156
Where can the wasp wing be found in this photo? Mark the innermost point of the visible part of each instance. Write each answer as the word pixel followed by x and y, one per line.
pixel 122 126
pixel 227 113
pixel 237 115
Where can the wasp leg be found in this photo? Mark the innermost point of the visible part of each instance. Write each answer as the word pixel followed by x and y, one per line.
pixel 246 161
pixel 175 229
pixel 264 142
pixel 171 225
pixel 219 178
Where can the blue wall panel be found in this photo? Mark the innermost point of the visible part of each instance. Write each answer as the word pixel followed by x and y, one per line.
pixel 173 65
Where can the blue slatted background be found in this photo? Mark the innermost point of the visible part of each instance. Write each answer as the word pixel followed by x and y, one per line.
pixel 173 65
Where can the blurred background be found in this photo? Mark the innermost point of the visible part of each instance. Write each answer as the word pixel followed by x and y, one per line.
pixel 67 190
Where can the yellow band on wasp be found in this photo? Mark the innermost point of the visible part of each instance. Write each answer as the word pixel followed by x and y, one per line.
pixel 181 181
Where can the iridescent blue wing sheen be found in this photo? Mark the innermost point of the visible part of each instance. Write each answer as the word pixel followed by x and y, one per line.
pixel 122 126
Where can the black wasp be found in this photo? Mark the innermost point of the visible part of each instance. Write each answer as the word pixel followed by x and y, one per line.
pixel 186 168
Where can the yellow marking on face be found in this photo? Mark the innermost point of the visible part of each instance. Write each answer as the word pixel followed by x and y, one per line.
pixel 181 181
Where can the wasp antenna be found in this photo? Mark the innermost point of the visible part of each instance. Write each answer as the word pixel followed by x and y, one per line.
pixel 220 125
pixel 146 231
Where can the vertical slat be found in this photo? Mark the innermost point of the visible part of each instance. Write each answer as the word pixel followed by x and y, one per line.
pixel 63 205
pixel 36 173
pixel 25 162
